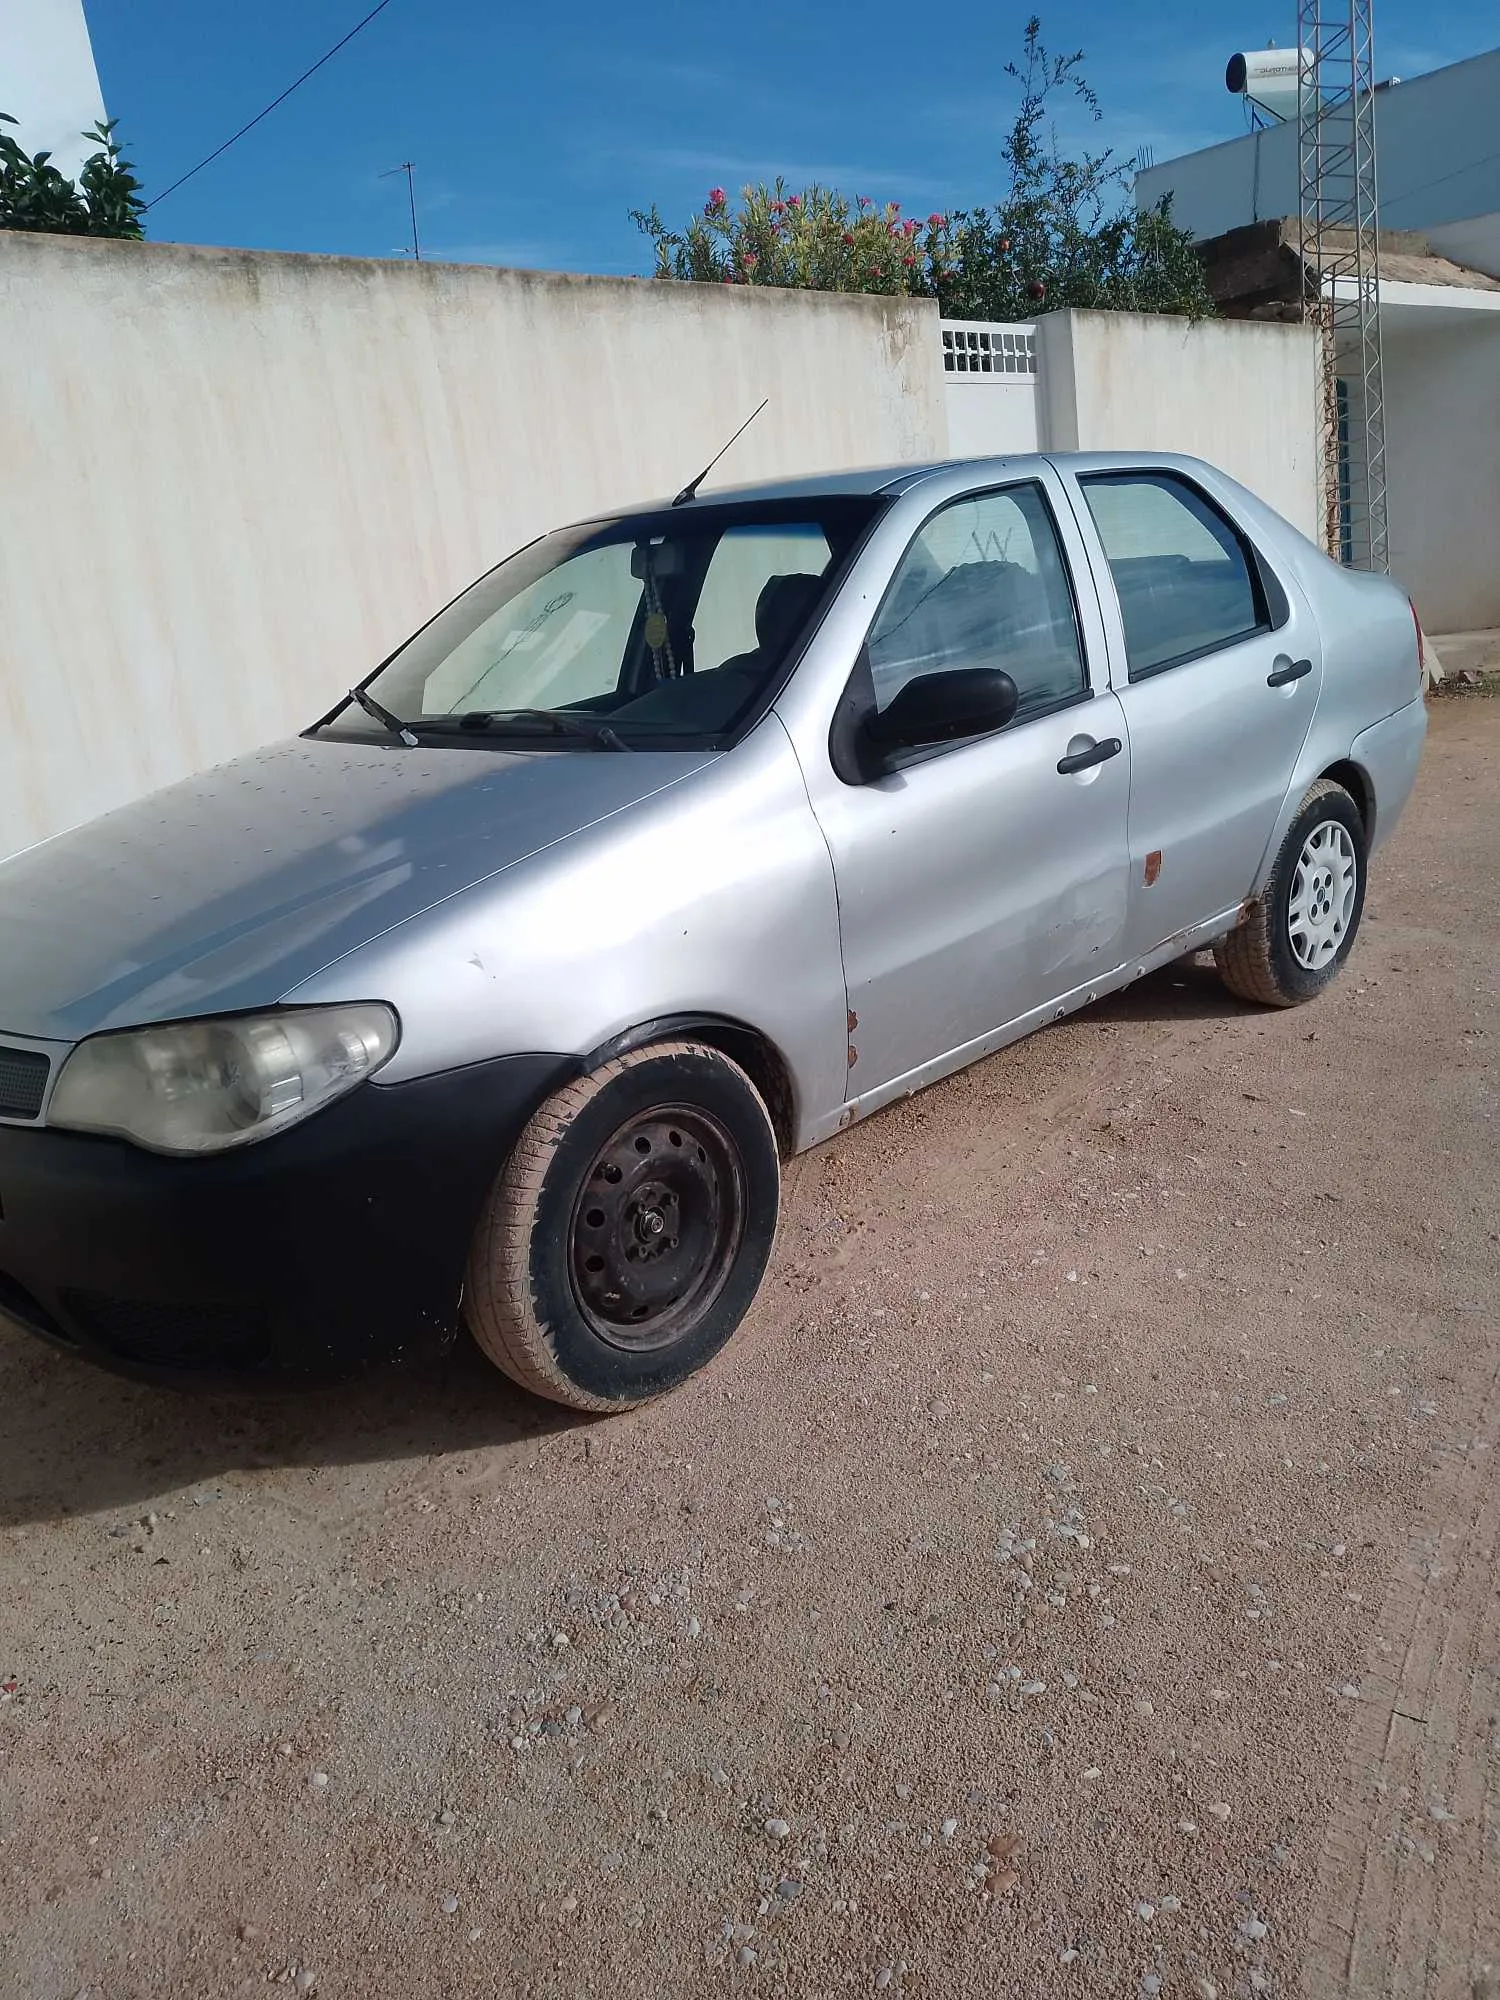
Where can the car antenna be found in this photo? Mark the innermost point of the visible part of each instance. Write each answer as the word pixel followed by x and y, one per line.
pixel 690 491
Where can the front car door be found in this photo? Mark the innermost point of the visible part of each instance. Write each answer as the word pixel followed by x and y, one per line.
pixel 1217 663
pixel 982 881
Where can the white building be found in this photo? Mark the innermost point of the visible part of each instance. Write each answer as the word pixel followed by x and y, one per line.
pixel 48 81
pixel 1438 159
pixel 1438 166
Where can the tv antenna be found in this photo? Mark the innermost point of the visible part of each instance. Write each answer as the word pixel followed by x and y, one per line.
pixel 407 167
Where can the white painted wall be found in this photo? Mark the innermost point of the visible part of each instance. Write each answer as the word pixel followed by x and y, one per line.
pixel 1442 441
pixel 48 82
pixel 233 481
pixel 1240 393
pixel 1439 165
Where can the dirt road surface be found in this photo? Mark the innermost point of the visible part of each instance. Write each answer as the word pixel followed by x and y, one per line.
pixel 1074 1580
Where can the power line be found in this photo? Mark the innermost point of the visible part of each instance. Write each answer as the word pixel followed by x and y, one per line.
pixel 211 157
pixel 1389 201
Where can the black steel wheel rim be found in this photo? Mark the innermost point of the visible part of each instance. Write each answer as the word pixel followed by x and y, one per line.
pixel 657 1227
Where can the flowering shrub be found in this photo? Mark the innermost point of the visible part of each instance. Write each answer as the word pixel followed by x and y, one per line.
pixel 1066 232
pixel 815 239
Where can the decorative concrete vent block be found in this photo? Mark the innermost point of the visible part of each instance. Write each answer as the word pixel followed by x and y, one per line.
pixel 973 349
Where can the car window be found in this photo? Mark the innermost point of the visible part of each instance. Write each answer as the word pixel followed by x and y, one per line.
pixel 742 561
pixel 1181 572
pixel 561 640
pixel 672 627
pixel 983 585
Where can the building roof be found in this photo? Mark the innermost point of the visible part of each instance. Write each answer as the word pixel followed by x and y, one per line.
pixel 1257 272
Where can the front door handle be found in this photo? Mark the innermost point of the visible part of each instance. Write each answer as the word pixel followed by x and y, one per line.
pixel 1098 753
pixel 1294 670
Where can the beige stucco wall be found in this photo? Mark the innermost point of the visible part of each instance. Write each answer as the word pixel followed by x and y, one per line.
pixel 231 481
pixel 1239 393
pixel 1442 449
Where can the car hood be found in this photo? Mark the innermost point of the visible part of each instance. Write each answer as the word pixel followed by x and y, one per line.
pixel 232 888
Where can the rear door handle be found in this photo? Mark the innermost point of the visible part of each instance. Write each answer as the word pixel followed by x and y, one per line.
pixel 1098 753
pixel 1294 670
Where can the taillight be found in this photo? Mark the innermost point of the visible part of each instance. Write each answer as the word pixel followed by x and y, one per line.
pixel 1421 647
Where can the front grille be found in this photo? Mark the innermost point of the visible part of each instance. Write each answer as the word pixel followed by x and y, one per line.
pixel 23 1082
pixel 208 1337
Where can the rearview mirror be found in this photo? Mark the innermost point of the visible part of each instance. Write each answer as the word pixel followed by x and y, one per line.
pixel 652 561
pixel 943 708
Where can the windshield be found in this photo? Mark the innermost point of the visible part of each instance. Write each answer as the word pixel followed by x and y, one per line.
pixel 654 631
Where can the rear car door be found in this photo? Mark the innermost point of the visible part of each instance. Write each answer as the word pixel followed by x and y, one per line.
pixel 1217 664
pixel 982 879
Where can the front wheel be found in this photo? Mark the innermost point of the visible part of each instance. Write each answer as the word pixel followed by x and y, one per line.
pixel 1300 929
pixel 625 1238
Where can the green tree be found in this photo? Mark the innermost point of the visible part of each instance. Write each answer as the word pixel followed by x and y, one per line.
pixel 103 201
pixel 1065 232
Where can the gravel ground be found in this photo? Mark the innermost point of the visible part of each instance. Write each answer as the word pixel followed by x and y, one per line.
pixel 1073 1580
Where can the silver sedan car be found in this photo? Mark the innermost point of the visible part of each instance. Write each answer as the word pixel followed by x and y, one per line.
pixel 678 842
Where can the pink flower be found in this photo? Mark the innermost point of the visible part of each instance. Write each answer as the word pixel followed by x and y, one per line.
pixel 794 201
pixel 848 236
pixel 936 221
pixel 863 200
pixel 908 261
pixel 911 227
pixel 716 197
pixel 778 207
pixel 749 259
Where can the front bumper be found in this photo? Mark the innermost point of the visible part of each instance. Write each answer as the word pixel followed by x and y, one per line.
pixel 339 1241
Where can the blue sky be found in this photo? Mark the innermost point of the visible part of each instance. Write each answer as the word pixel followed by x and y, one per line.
pixel 534 129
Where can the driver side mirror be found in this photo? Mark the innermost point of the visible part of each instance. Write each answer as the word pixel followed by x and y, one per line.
pixel 945 708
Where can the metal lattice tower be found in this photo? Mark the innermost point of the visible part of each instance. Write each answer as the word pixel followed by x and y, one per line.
pixel 1340 247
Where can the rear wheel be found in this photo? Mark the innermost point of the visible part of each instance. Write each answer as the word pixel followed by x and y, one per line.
pixel 1300 930
pixel 626 1237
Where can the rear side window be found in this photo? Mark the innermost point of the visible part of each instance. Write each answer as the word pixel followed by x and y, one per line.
pixel 983 585
pixel 1186 581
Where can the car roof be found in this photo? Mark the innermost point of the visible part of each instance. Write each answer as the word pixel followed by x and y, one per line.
pixel 894 479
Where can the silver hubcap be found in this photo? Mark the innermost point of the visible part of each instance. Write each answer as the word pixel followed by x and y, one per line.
pixel 1322 900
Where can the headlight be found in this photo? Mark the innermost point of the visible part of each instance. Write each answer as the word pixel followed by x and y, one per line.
pixel 201 1086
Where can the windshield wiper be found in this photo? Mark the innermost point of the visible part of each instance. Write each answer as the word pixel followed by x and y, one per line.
pixel 561 722
pixel 382 715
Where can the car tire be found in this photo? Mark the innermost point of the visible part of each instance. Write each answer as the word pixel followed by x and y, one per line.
pixel 1300 929
pixel 627 1234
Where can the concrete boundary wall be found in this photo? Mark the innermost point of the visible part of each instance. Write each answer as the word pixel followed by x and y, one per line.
pixel 1240 393
pixel 232 480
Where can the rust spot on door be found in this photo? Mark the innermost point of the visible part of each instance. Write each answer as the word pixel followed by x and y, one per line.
pixel 1153 866
pixel 853 1055
pixel 853 1020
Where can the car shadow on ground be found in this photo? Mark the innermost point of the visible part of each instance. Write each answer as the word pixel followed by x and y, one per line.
pixel 75 1440
pixel 1189 989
